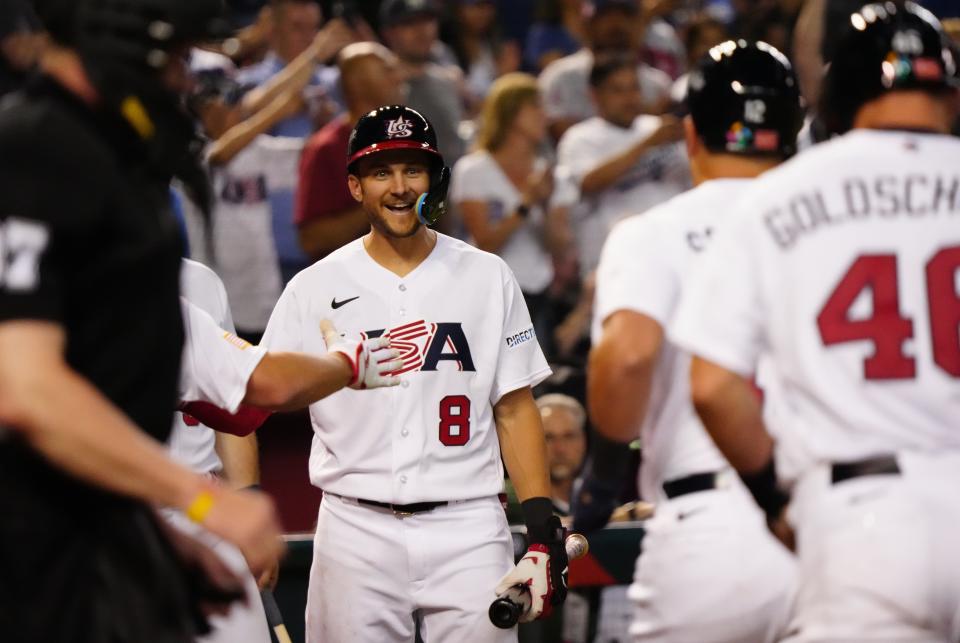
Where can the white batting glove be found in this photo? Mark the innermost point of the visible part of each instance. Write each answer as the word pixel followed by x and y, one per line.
pixel 533 572
pixel 371 360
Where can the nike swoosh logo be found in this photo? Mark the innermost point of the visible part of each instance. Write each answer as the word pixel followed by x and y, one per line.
pixel 692 512
pixel 336 304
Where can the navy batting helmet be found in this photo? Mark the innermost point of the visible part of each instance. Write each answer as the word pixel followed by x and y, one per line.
pixel 887 47
pixel 397 127
pixel 744 99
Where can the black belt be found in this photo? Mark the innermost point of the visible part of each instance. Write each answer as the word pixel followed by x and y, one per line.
pixel 881 465
pixel 690 484
pixel 412 508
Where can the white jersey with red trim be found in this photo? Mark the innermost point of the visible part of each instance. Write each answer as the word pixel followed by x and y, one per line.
pixel 461 324
pixel 642 269
pixel 215 367
pixel 843 265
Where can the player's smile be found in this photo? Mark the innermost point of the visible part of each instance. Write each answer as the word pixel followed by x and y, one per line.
pixel 401 208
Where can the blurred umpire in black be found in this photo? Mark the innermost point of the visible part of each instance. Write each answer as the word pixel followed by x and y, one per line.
pixel 90 338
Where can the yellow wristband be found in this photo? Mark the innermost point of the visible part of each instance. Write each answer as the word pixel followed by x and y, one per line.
pixel 200 508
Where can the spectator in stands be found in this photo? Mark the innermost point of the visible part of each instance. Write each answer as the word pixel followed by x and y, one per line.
pixel 479 49
pixel 623 161
pixel 502 188
pixel 701 33
pixel 410 29
pixel 615 26
pixel 326 215
pixel 293 28
pixel 559 31
pixel 564 427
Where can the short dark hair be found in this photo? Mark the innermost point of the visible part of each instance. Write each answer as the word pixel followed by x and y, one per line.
pixel 606 66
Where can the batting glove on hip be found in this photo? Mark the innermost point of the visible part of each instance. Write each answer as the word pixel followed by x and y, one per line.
pixel 372 361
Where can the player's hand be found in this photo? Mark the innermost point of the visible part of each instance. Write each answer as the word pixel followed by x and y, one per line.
pixel 371 361
pixel 593 504
pixel 783 531
pixel 268 579
pixel 248 519
pixel 212 583
pixel 543 575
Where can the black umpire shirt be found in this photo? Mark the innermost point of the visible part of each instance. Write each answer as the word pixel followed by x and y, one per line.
pixel 86 241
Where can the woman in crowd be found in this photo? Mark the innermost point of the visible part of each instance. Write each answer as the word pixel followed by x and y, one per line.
pixel 501 190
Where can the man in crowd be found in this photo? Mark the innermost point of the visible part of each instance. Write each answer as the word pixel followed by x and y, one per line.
pixel 326 214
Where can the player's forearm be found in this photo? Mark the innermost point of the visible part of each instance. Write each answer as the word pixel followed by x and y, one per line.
pixel 240 458
pixel 618 389
pixel 291 381
pixel 612 170
pixel 731 414
pixel 71 424
pixel 324 235
pixel 522 444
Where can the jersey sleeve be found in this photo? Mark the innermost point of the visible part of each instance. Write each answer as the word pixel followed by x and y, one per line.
pixel 635 274
pixel 721 311
pixel 49 208
pixel 521 361
pixel 285 330
pixel 217 363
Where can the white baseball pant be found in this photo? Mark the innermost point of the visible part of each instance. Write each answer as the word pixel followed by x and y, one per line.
pixel 880 554
pixel 710 572
pixel 374 572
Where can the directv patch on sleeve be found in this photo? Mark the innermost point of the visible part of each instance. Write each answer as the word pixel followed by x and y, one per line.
pixel 522 337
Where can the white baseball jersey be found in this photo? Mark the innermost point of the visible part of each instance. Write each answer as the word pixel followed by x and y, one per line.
pixel 215 365
pixel 642 268
pixel 659 175
pixel 466 339
pixel 842 264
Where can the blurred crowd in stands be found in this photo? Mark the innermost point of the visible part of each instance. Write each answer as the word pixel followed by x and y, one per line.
pixel 558 118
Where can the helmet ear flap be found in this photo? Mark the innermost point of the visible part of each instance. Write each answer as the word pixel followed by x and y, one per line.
pixel 432 205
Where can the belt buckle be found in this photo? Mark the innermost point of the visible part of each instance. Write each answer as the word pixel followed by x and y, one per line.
pixel 399 513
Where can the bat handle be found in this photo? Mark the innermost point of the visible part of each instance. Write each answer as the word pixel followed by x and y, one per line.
pixel 506 611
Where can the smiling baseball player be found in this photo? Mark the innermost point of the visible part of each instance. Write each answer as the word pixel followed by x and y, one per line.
pixel 707 538
pixel 410 527
pixel 841 267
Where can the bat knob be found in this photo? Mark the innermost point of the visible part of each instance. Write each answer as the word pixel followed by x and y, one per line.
pixel 513 603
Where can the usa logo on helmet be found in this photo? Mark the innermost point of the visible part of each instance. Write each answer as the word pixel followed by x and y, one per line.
pixel 399 128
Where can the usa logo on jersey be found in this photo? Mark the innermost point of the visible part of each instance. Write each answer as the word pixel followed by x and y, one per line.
pixel 399 128
pixel 424 345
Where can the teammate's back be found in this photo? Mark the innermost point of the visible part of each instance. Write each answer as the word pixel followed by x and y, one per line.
pixel 859 287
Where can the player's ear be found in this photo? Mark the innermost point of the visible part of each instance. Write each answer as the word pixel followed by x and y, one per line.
pixel 690 137
pixel 353 184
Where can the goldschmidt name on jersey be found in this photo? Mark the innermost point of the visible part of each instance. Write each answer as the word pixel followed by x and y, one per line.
pixel 861 199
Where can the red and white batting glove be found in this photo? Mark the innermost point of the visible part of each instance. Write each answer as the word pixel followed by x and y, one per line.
pixel 371 360
pixel 533 571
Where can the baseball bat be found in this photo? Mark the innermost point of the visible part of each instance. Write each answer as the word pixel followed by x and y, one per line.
pixel 274 617
pixel 510 605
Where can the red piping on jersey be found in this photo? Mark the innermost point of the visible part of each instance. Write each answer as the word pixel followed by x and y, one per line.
pixel 392 145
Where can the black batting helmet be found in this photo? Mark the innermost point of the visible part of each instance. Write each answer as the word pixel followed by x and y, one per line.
pixel 886 47
pixel 744 99
pixel 397 127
